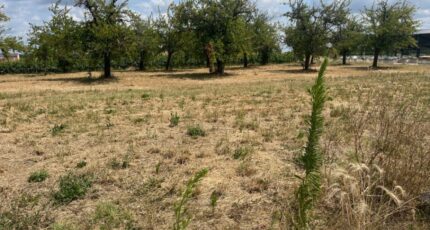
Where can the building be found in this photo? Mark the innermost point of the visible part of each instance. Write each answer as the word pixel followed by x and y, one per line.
pixel 13 56
pixel 423 42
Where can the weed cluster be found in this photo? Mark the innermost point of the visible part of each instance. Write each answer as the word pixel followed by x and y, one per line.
pixel 38 176
pixel 72 187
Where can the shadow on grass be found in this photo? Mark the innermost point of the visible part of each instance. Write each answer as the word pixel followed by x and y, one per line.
pixel 293 71
pixel 195 76
pixel 369 68
pixel 84 80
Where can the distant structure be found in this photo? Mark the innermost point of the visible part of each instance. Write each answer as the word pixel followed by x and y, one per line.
pixel 12 56
pixel 423 42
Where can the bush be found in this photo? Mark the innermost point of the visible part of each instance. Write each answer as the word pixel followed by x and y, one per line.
pixel 72 187
pixel 195 131
pixel 38 176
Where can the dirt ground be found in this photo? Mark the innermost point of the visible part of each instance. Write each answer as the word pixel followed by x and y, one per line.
pixel 140 162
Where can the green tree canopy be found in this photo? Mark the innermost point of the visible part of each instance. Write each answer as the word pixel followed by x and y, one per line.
pixel 106 31
pixel 145 42
pixel 389 26
pixel 215 23
pixel 311 27
pixel 57 40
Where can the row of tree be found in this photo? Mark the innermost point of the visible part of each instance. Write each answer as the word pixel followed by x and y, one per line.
pixel 215 31
pixel 317 29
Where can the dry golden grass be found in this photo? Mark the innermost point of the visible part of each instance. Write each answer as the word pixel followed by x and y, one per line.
pixel 140 164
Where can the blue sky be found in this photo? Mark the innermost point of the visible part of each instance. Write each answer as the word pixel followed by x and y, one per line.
pixel 23 12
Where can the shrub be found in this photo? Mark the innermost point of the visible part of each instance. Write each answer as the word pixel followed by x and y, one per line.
pixel 174 120
pixel 195 131
pixel 72 187
pixel 38 176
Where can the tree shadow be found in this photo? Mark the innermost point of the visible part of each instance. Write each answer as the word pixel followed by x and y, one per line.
pixel 84 80
pixel 369 68
pixel 195 76
pixel 293 71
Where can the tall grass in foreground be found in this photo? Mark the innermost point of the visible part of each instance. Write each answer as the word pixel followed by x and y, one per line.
pixel 182 219
pixel 311 160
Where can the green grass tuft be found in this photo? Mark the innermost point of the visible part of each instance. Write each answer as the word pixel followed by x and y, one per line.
pixel 38 176
pixel 72 187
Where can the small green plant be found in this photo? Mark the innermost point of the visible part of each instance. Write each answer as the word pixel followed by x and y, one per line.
pixel 174 119
pixel 182 218
pixel 57 129
pixel 110 111
pixel 38 176
pixel 157 168
pixel 126 160
pixel 22 213
pixel 146 96
pixel 110 216
pixel 150 185
pixel 72 187
pixel 215 195
pixel 81 164
pixel 181 103
pixel 195 131
pixel 242 152
pixel 311 160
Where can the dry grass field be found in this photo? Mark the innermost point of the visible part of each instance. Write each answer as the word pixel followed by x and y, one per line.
pixel 128 146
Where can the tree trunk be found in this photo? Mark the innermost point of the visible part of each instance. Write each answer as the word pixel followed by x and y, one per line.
pixel 312 60
pixel 142 60
pixel 245 60
pixel 344 58
pixel 107 65
pixel 307 63
pixel 220 66
pixel 208 60
pixel 375 58
pixel 169 60
pixel 209 52
pixel 265 55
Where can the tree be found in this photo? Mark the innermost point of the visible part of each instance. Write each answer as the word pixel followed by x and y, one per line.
pixel 389 26
pixel 243 37
pixel 266 38
pixel 348 37
pixel 312 27
pixel 170 34
pixel 8 43
pixel 3 18
pixel 145 39
pixel 58 40
pixel 105 29
pixel 214 23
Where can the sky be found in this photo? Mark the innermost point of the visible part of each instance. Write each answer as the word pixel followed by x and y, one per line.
pixel 24 12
